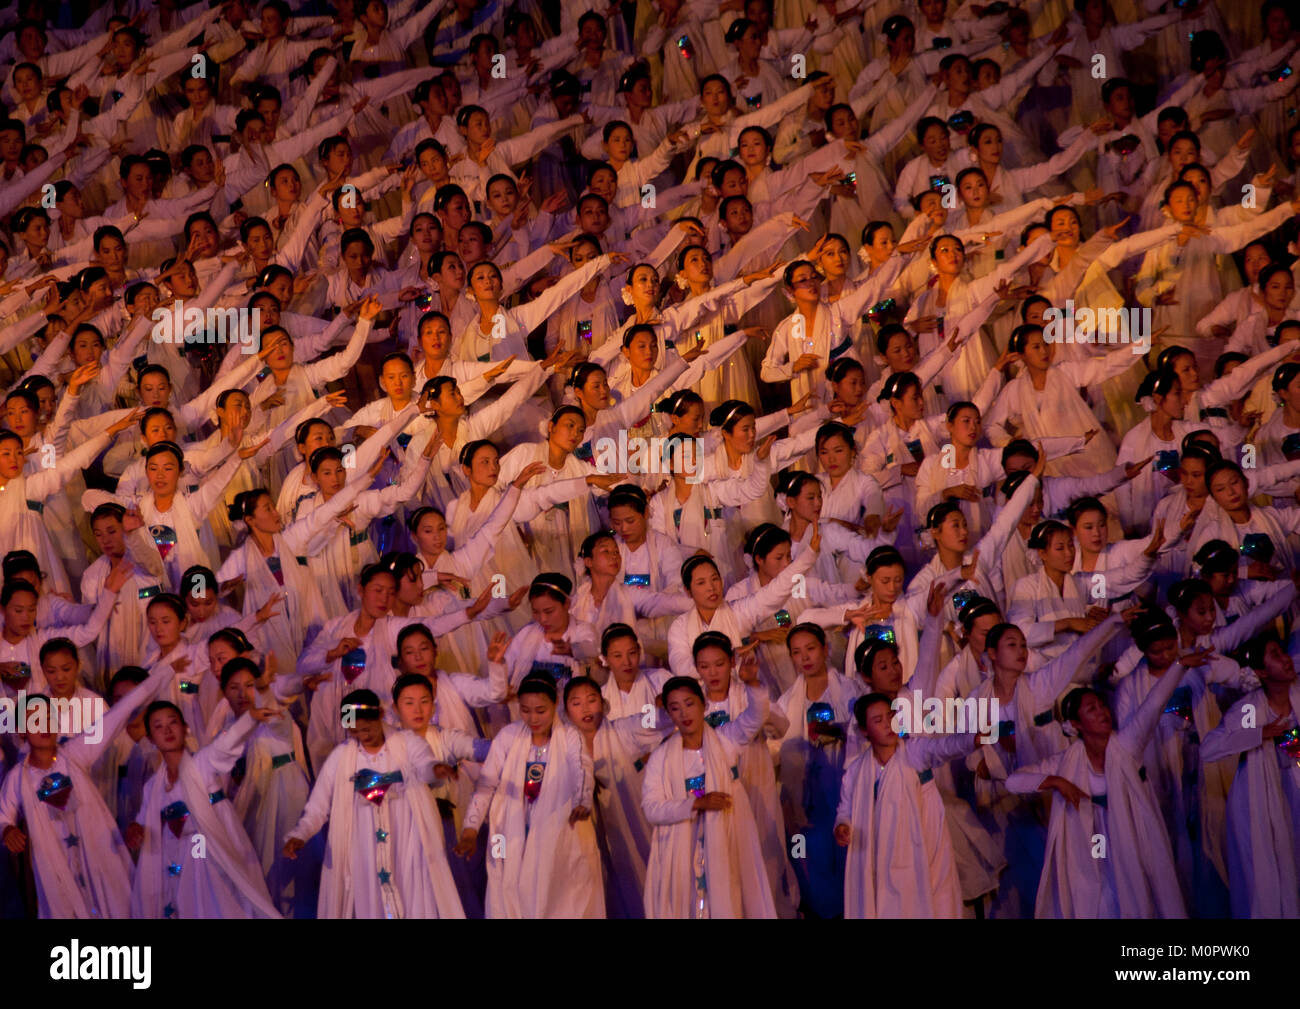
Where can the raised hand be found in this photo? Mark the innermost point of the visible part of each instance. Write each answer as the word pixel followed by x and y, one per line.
pixel 479 604
pixel 82 377
pixel 249 451
pixel 1157 539
pixel 1134 468
pixel 269 609
pixel 1113 231
pixel 497 649
pixel 934 601
pixel 130 420
pixel 527 473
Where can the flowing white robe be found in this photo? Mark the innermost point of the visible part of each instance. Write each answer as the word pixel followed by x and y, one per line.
pixel 810 774
pixel 385 860
pixel 1137 878
pixel 736 883
pixel 619 753
pixel 1263 811
pixel 900 862
pixel 227 882
pixel 81 866
pixel 546 868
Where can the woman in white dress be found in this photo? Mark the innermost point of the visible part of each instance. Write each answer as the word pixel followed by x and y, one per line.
pixel 618 748
pixel 1264 804
pixel 535 791
pixel 387 856
pixel 22 495
pixel 1103 792
pixel 1259 532
pixel 185 799
pixel 1043 401
pixel 819 709
pixel 269 782
pixel 705 857
pixel 481 463
pixel 951 296
pixel 51 790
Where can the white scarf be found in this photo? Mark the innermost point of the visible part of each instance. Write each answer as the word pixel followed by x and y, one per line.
pixel 724 622
pixel 892 879
pixel 194 542
pixel 618 757
pixel 1261 841
pixel 738 886
pixel 1137 847
pixel 546 870
pixel 337 896
pixel 60 895
pixel 228 848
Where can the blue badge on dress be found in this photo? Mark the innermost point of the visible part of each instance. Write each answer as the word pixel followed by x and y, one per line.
pixel 164 538
pixel 962 599
pixel 1180 703
pixel 554 670
pixel 880 308
pixel 175 816
pixel 373 786
pixel 533 774
pixel 353 664
pixel 879 632
pixel 1257 547
pixel 1289 743
pixel 55 789
pixel 820 721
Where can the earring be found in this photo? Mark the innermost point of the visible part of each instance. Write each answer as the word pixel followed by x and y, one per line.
pixel 627 297
pixel 682 282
